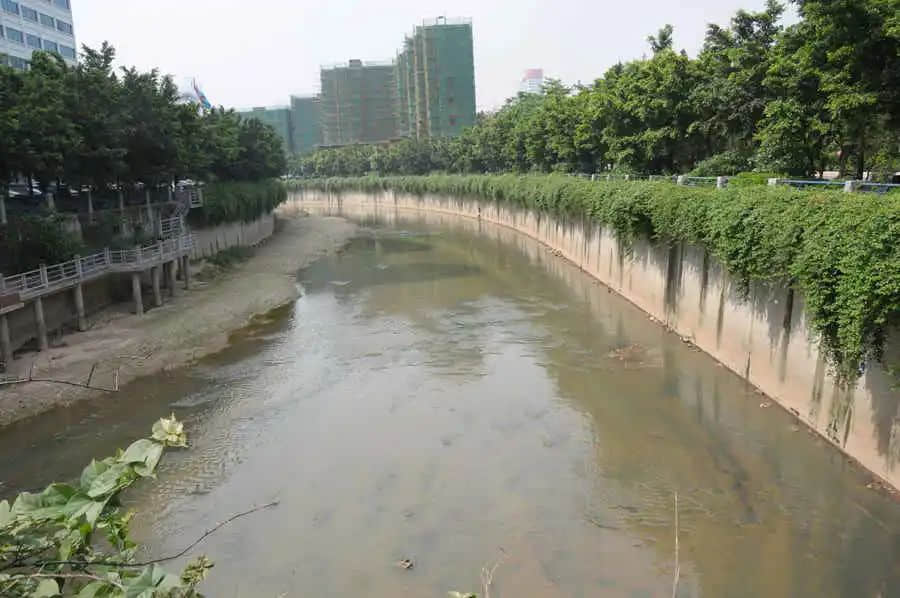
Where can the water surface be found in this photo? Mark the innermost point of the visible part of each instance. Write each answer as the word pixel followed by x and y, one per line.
pixel 458 397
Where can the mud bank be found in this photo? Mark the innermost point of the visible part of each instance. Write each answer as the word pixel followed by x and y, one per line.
pixel 195 324
pixel 763 338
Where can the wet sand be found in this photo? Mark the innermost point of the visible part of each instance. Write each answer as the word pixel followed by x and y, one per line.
pixel 195 324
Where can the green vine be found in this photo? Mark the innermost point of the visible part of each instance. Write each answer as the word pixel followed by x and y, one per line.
pixel 841 251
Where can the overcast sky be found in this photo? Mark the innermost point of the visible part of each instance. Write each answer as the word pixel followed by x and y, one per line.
pixel 257 52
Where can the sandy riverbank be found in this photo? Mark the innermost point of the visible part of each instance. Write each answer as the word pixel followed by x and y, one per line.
pixel 195 324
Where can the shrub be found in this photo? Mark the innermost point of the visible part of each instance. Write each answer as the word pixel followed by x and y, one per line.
pixel 238 201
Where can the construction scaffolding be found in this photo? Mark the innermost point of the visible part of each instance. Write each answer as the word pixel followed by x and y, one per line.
pixel 358 103
pixel 440 63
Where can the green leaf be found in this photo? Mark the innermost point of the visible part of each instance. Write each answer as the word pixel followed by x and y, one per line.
pixel 90 472
pixel 5 514
pixel 112 479
pixel 46 588
pixel 91 590
pixel 144 455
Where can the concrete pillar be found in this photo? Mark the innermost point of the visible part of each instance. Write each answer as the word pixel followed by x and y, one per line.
pixel 136 293
pixel 680 180
pixel 41 324
pixel 627 177
pixel 90 198
pixel 721 182
pixel 173 272
pixel 2 209
pixel 51 203
pixel 6 350
pixel 851 186
pixel 121 202
pixel 156 275
pixel 773 182
pixel 186 271
pixel 78 293
pixel 149 207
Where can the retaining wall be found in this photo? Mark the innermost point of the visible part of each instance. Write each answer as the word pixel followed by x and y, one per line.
pixel 210 241
pixel 764 337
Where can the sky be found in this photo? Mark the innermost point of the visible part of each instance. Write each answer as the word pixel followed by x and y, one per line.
pixel 249 53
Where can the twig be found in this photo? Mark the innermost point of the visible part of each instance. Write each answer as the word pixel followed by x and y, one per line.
pixel 116 380
pixel 16 578
pixel 677 564
pixel 91 375
pixel 53 381
pixel 208 533
pixel 487 577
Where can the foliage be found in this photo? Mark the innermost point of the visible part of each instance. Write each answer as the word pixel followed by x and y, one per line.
pixel 823 94
pixel 841 251
pixel 231 256
pixel 72 539
pixel 91 125
pixel 238 201
pixel 36 239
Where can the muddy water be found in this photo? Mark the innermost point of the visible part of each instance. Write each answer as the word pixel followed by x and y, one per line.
pixel 458 398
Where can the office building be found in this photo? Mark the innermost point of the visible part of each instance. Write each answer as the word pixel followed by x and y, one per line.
pixel 358 103
pixel 30 25
pixel 532 81
pixel 435 80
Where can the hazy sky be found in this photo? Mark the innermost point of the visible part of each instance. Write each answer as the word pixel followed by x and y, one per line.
pixel 257 52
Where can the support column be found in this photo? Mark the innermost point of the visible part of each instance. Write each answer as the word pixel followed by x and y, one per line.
pixel 79 307
pixel 6 350
pixel 51 203
pixel 121 202
pixel 149 207
pixel 156 275
pixel 721 182
pixel 136 292
pixel 43 344
pixel 90 207
pixel 186 271
pixel 173 271
pixel 2 208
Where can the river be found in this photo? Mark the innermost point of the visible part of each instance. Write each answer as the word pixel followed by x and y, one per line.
pixel 463 398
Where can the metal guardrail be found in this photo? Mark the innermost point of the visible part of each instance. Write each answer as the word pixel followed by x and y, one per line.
pixel 722 182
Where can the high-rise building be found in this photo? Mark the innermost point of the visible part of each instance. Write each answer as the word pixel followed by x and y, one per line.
pixel 279 118
pixel 435 75
pixel 306 123
pixel 31 25
pixel 532 81
pixel 358 103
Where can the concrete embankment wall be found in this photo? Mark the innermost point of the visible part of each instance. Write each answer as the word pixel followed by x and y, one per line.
pixel 763 337
pixel 210 241
pixel 59 308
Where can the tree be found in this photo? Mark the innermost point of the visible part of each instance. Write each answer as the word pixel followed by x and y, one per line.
pixel 662 40
pixel 47 133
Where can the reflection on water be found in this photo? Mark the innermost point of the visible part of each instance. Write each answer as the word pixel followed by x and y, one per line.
pixel 455 398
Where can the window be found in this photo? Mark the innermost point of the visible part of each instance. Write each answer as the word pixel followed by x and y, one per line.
pixel 51 46
pixel 64 27
pixel 62 3
pixel 67 52
pixel 452 121
pixel 48 21
pixel 33 41
pixel 15 35
pixel 10 6
pixel 30 14
pixel 18 63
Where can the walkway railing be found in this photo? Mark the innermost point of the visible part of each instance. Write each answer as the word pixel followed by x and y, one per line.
pixel 722 182
pixel 47 279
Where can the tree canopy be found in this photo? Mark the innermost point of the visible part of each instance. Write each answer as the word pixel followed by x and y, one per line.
pixel 91 124
pixel 822 94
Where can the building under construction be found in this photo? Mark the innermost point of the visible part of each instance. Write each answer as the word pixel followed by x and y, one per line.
pixel 279 118
pixel 305 122
pixel 435 80
pixel 358 103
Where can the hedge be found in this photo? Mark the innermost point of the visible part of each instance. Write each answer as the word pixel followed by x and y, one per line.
pixel 238 201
